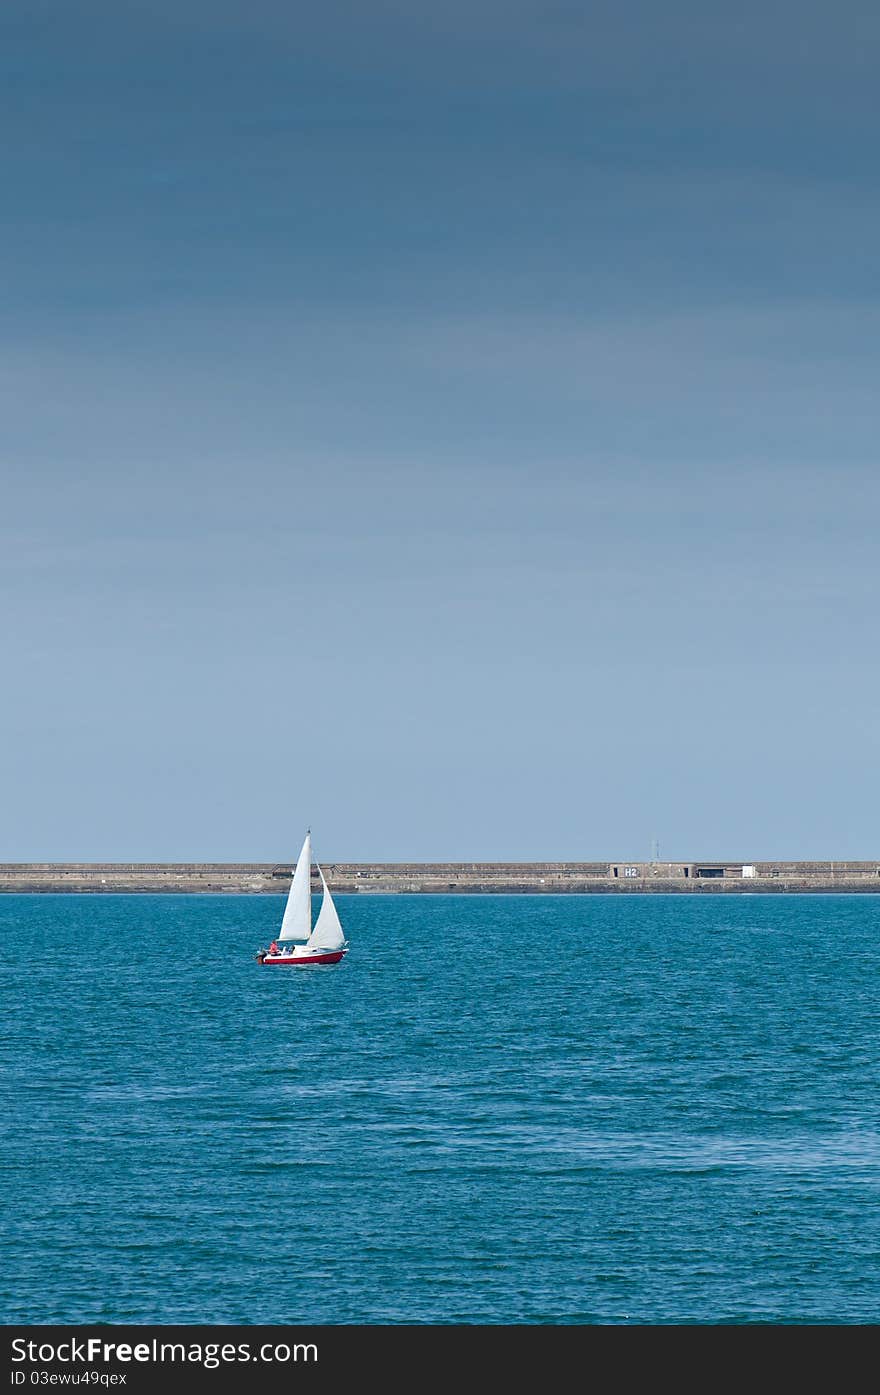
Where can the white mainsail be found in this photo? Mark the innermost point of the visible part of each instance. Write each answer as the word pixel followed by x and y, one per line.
pixel 327 933
pixel 297 922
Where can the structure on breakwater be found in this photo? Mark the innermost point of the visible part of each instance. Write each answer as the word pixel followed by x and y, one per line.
pixel 445 877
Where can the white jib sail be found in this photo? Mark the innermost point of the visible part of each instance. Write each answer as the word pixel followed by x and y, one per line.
pixel 327 933
pixel 297 922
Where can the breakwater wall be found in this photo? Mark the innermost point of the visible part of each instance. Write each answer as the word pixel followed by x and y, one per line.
pixel 614 878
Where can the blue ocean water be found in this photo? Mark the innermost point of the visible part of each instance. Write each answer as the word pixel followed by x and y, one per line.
pixel 515 1109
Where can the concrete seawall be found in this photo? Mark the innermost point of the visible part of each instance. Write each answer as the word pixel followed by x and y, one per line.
pixel 611 878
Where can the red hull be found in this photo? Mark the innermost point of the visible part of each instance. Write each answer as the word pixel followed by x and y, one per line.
pixel 293 963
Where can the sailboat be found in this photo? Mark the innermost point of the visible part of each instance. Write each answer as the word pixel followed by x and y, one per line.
pixel 298 942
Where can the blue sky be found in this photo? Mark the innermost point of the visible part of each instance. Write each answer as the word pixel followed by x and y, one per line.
pixel 457 432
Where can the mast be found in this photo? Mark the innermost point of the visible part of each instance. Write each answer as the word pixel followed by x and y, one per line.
pixel 297 922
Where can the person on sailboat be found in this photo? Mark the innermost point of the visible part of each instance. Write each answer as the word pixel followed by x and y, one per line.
pixel 273 948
